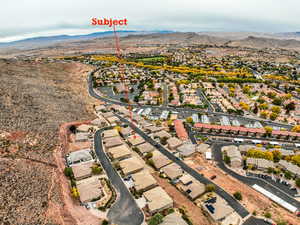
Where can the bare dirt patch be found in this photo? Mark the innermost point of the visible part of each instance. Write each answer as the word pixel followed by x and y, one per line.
pixel 252 200
pixel 193 211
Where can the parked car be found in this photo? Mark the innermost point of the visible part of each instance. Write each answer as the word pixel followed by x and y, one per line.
pixel 213 177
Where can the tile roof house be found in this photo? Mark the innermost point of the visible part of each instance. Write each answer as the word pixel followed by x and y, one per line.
pixel 82 137
pixel 89 189
pixel 162 134
pixel 203 148
pixel 131 165
pixel 82 170
pixel 83 128
pixel 193 190
pixel 172 171
pixel 112 142
pixel 110 133
pixel 235 156
pixel 174 143
pixel 173 219
pixel 145 148
pixel 290 167
pixel 135 140
pixel 186 149
pixel 180 130
pixel 160 160
pixel 143 181
pixel 260 163
pixel 217 208
pixel 126 132
pixel 157 200
pixel 119 152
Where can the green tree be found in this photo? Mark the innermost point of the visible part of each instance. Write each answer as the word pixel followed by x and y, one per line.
pixel 270 170
pixel 288 175
pixel 163 140
pixel 156 219
pixel 298 182
pixel 268 129
pixel 189 120
pixel 273 116
pixel 105 222
pixel 276 109
pixel 227 159
pixel 290 106
pixel 68 172
pixel 210 188
pixel 264 114
pixel 238 195
pixel 149 155
pixel 96 169
pixel 136 98
pixel 263 106
pixel 268 215
pixel 277 155
pixel 277 101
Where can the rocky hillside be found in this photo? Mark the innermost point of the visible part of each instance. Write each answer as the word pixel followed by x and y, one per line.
pixel 35 98
pixel 259 42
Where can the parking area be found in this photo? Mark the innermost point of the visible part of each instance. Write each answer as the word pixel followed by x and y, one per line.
pixel 278 182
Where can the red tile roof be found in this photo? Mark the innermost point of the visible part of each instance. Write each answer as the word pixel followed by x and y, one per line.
pixel 244 129
pixel 180 130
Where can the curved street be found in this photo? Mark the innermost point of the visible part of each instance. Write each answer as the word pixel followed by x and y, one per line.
pixel 250 180
pixel 122 204
pixel 179 109
pixel 230 200
pixel 125 210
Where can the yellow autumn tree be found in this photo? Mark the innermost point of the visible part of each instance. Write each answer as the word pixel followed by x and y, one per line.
pixel 296 128
pixel 75 192
pixel 268 129
pixel 244 106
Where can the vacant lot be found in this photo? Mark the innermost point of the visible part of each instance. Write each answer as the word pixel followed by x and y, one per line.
pixel 252 200
pixel 35 98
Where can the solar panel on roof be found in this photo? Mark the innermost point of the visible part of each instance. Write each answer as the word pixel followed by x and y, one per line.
pixel 212 200
pixel 210 208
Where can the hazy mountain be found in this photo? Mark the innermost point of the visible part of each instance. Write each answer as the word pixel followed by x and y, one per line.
pixel 260 42
pixel 50 40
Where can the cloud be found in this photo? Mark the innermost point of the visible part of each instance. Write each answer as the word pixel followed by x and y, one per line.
pixel 26 17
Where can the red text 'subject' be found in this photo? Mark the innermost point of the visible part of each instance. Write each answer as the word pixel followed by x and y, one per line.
pixel 109 22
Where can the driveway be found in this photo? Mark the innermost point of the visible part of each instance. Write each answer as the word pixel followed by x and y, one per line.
pixel 125 210
pixel 229 199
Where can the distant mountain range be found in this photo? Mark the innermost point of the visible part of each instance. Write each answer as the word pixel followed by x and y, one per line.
pixel 102 41
pixel 60 38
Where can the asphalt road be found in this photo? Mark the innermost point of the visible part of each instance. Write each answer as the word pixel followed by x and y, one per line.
pixel 105 99
pixel 124 211
pixel 245 137
pixel 204 99
pixel 255 221
pixel 191 134
pixel 251 180
pixel 230 200
pixel 165 94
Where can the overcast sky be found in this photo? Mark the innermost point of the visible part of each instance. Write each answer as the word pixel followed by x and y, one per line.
pixel 26 18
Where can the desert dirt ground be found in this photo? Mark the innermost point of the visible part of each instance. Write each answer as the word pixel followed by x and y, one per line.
pixel 180 200
pixel 71 212
pixel 35 98
pixel 252 200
